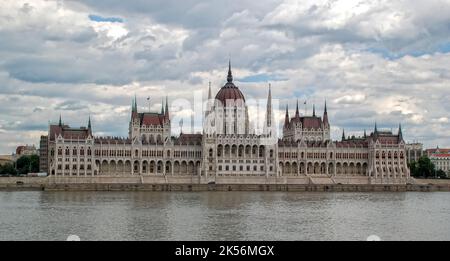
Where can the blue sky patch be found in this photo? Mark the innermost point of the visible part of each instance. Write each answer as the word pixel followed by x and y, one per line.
pixel 97 18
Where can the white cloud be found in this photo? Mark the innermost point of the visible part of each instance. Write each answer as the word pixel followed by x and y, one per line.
pixel 383 61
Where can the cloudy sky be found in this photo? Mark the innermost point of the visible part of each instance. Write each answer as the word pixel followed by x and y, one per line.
pixel 384 61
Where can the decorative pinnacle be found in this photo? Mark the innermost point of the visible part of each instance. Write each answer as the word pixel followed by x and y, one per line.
pixel 230 76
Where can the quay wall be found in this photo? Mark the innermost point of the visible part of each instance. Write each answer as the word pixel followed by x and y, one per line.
pixel 161 183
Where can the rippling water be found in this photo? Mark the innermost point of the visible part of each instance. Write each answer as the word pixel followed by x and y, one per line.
pixel 223 216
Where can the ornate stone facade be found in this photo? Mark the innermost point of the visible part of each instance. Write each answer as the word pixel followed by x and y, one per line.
pixel 227 147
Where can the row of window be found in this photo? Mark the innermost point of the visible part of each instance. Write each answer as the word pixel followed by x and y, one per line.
pixel 322 155
pixel 389 155
pixel 241 168
pixel 73 160
pixel 74 167
pixel 127 153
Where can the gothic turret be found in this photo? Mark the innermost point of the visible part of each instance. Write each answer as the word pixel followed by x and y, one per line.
pixel 286 118
pixel 325 116
pixel 400 134
pixel 269 109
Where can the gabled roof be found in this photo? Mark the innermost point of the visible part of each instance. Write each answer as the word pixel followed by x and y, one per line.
pixel 308 122
pixel 68 133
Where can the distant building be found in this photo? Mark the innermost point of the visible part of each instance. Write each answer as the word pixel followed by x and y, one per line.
pixel 26 150
pixel 43 154
pixel 440 159
pixel 437 150
pixel 6 159
pixel 414 151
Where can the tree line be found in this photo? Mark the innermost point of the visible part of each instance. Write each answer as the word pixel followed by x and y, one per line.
pixel 24 165
pixel 424 168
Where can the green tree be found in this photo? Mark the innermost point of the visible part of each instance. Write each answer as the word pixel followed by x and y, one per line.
pixel 425 168
pixel 413 168
pixel 28 164
pixel 34 163
pixel 7 169
pixel 441 174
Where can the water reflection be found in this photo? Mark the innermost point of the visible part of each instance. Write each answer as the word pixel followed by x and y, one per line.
pixel 223 216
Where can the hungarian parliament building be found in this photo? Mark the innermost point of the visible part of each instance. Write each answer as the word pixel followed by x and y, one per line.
pixel 227 147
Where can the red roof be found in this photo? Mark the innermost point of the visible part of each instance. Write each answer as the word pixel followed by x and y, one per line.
pixel 442 155
pixel 358 143
pixel 308 122
pixel 150 118
pixel 194 139
pixel 229 92
pixel 68 133
pixel 437 150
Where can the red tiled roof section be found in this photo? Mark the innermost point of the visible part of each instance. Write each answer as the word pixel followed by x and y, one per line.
pixel 229 92
pixel 309 122
pixel 441 155
pixel 189 138
pixel 352 143
pixel 68 133
pixel 438 150
pixel 152 119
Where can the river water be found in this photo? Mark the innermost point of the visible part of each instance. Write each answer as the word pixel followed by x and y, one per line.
pixel 36 215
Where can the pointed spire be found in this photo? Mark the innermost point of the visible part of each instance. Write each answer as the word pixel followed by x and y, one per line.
pixel 343 134
pixel 365 134
pixel 166 111
pixel 162 106
pixel 230 76
pixel 297 113
pixel 269 108
pixel 286 118
pixel 135 103
pixel 314 110
pixel 209 91
pixel 400 134
pixel 60 121
pixel 325 114
pixel 375 132
pixel 89 122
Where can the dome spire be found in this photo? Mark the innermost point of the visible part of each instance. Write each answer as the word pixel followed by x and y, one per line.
pixel 230 76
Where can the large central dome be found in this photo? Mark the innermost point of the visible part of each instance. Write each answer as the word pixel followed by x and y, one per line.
pixel 229 91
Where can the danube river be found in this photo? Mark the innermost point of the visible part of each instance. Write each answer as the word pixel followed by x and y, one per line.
pixel 34 215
